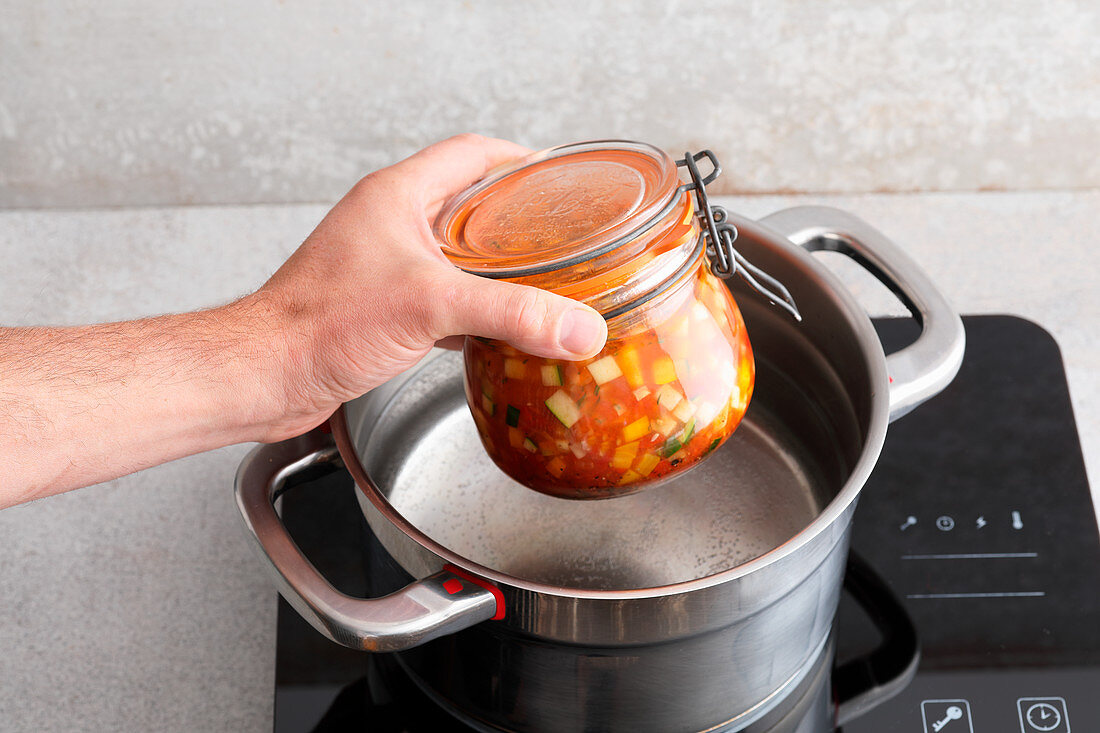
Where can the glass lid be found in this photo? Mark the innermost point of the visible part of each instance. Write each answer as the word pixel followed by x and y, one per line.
pixel 556 208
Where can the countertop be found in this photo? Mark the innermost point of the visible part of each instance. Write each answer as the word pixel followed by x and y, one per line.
pixel 137 605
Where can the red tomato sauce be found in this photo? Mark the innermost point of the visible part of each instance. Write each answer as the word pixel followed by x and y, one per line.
pixel 655 400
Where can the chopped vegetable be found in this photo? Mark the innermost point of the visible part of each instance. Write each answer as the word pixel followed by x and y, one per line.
pixel 604 370
pixel 551 375
pixel 514 369
pixel 647 463
pixel 631 365
pixel 664 371
pixel 669 397
pixel 665 425
pixel 636 429
pixel 488 405
pixel 530 445
pixel 511 416
pixel 672 446
pixel 684 411
pixel 515 438
pixel 641 393
pixel 688 432
pixel 720 420
pixel 564 408
pixel 705 413
pixel 624 456
pixel 740 402
pixel 744 378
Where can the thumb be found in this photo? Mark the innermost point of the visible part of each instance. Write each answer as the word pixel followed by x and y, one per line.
pixel 531 319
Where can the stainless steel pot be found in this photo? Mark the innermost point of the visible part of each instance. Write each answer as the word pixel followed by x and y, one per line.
pixel 695 606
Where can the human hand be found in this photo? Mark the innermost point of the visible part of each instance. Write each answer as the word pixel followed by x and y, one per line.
pixel 369 292
pixel 364 298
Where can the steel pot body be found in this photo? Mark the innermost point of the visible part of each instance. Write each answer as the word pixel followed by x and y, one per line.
pixel 695 607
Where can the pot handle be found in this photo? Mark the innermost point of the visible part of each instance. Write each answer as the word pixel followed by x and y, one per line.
pixel 440 604
pixel 865 683
pixel 922 369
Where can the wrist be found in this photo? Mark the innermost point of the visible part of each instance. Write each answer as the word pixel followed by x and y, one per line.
pixel 271 354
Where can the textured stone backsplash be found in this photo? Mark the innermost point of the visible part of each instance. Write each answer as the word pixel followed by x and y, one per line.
pixel 128 103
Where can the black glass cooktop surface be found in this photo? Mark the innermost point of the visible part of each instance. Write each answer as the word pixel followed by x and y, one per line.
pixel 978 516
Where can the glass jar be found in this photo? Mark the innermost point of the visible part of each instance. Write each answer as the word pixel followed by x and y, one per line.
pixel 610 224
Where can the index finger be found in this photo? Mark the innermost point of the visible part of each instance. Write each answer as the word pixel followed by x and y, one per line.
pixel 441 170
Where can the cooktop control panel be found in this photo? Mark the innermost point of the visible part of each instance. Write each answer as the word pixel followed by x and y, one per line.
pixel 979 517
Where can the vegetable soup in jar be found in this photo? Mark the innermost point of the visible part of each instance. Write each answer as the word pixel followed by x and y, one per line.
pixel 610 224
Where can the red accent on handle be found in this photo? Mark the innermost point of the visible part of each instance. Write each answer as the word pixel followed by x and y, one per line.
pixel 487 585
pixel 452 586
pixel 891 380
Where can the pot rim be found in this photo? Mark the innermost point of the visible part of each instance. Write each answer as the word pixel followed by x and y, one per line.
pixel 840 504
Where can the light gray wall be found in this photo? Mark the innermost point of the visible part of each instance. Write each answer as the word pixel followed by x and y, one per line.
pixel 127 102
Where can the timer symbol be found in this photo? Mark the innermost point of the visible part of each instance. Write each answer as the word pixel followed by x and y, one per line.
pixel 1043 716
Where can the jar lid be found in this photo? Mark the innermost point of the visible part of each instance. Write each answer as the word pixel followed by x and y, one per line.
pixel 557 208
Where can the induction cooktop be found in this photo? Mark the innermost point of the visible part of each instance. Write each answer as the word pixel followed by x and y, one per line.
pixel 978 516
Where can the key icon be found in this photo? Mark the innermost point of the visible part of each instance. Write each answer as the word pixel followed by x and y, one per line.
pixel 952 713
pixel 941 715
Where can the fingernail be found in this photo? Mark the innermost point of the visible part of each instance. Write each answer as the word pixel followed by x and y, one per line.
pixel 581 331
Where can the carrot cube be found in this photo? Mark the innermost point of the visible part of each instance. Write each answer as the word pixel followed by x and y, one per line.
pixel 664 371
pixel 624 456
pixel 631 366
pixel 636 429
pixel 646 464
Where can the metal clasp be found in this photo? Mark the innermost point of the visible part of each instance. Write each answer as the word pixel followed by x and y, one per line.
pixel 720 234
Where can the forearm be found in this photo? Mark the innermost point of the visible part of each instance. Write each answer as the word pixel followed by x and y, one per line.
pixel 364 298
pixel 86 404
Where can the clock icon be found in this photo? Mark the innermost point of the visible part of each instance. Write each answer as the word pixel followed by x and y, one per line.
pixel 1044 716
